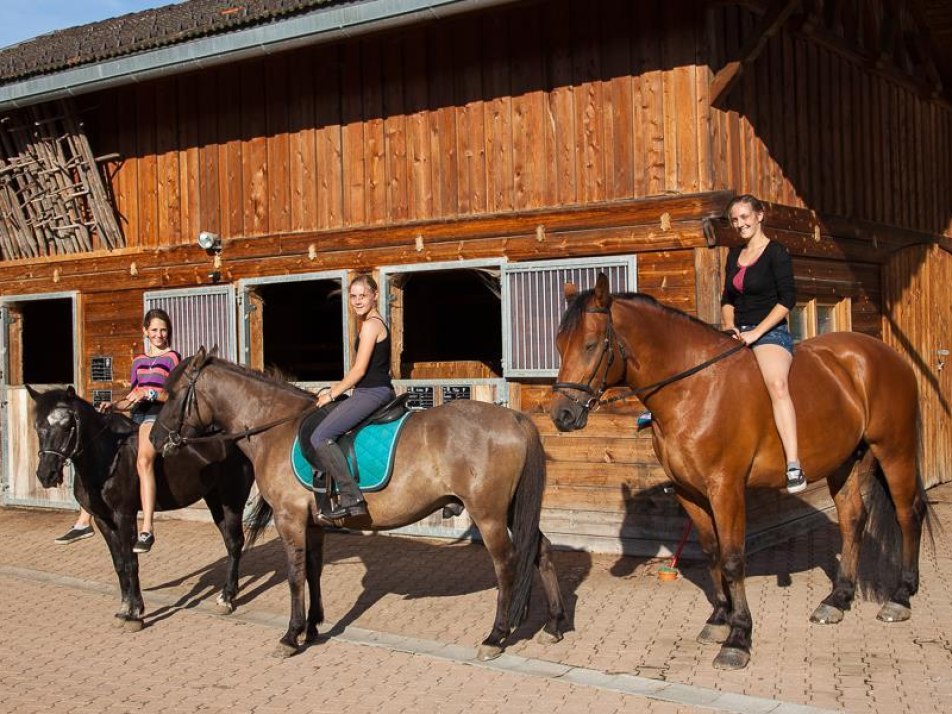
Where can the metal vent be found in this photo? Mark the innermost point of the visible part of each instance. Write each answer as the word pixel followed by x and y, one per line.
pixel 203 317
pixel 536 304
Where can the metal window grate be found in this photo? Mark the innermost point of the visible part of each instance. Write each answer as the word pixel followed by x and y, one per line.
pixel 536 303
pixel 203 317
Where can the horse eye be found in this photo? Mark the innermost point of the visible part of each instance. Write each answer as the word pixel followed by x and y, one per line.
pixel 590 346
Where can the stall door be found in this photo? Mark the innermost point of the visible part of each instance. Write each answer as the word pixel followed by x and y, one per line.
pixel 918 322
pixel 39 347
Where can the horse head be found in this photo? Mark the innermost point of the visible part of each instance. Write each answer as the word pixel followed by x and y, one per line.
pixel 592 357
pixel 181 416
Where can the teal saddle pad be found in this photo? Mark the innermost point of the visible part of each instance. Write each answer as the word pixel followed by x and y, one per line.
pixel 374 446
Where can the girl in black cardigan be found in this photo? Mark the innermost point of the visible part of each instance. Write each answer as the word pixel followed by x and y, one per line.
pixel 758 296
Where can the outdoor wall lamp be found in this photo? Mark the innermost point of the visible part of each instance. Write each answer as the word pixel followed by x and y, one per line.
pixel 211 243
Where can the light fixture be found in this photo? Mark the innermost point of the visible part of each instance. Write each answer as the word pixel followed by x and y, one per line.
pixel 209 241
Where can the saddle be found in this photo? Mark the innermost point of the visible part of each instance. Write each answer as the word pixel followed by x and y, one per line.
pixel 387 414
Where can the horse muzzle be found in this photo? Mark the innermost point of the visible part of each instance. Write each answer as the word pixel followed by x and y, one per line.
pixel 50 474
pixel 568 415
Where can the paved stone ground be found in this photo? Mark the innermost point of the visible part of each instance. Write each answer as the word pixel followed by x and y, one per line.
pixel 405 615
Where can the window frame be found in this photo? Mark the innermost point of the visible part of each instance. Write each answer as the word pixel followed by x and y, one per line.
pixel 842 316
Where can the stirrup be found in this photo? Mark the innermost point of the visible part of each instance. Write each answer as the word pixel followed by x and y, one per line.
pixel 354 510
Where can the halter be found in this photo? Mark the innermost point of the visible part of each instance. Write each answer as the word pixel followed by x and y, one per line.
pixel 642 392
pixel 608 344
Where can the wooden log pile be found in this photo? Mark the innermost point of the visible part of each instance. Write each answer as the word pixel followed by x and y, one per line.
pixel 53 199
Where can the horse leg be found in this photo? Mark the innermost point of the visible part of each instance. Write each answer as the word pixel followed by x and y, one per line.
pixel 716 629
pixel 555 626
pixel 314 566
pixel 126 564
pixel 851 515
pixel 904 489
pixel 293 540
pixel 228 521
pixel 496 539
pixel 730 520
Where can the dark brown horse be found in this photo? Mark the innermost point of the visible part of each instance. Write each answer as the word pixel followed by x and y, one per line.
pixel 714 435
pixel 102 448
pixel 485 456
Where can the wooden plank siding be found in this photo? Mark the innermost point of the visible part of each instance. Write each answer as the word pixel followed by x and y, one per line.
pixel 547 129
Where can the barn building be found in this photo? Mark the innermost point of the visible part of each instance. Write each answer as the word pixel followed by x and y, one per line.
pixel 237 162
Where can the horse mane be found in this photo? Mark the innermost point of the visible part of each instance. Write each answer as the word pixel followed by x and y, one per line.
pixel 573 314
pixel 272 376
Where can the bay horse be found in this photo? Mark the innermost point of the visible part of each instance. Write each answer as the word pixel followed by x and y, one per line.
pixel 486 456
pixel 714 435
pixel 102 449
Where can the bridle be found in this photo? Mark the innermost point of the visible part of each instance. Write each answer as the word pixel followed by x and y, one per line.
pixel 190 401
pixel 595 400
pixel 74 432
pixel 608 349
pixel 72 436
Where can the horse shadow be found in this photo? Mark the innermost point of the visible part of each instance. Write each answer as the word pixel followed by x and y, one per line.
pixel 800 538
pixel 407 566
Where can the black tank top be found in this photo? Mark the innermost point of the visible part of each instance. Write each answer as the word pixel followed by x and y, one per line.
pixel 378 371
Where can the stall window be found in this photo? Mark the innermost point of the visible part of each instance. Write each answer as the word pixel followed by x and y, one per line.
pixel 535 298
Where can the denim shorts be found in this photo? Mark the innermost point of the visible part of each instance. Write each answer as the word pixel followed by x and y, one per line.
pixel 146 414
pixel 778 335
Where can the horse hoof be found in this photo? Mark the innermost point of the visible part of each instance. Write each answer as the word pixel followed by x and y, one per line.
pixel 714 634
pixel 488 652
pixel 548 638
pixel 731 658
pixel 894 612
pixel 132 625
pixel 827 615
pixel 224 607
pixel 283 651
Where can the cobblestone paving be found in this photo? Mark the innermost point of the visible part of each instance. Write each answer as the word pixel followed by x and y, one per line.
pixel 60 651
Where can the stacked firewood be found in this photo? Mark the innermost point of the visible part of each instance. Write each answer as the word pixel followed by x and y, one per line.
pixel 53 198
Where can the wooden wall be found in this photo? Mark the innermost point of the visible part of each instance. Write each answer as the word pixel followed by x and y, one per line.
pixel 814 122
pixel 546 104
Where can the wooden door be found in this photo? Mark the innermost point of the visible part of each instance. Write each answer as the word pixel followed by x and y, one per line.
pixel 917 321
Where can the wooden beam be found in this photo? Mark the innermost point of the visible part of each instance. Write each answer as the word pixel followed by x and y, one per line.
pixel 769 25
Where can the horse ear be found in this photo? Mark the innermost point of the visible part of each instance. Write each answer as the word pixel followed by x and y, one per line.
pixel 213 352
pixel 32 392
pixel 571 290
pixel 70 393
pixel 603 295
pixel 198 361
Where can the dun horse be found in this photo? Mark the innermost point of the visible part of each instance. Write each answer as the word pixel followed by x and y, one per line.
pixel 102 448
pixel 488 457
pixel 714 435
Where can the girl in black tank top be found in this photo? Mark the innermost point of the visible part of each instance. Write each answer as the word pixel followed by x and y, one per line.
pixel 369 377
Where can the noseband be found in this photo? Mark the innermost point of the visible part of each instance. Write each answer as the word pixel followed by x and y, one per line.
pixel 608 344
pixel 73 436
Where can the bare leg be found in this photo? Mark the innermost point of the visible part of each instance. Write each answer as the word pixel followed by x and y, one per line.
pixel 775 364
pixel 145 465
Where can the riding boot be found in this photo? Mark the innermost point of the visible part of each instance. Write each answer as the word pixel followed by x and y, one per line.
pixel 351 501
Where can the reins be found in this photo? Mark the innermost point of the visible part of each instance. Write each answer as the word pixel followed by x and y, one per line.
pixel 176 439
pixel 642 392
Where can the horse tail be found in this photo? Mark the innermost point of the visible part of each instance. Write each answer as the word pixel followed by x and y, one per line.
pixel 255 523
pixel 881 566
pixel 524 515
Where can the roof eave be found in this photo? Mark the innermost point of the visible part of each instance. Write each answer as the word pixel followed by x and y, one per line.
pixel 321 25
